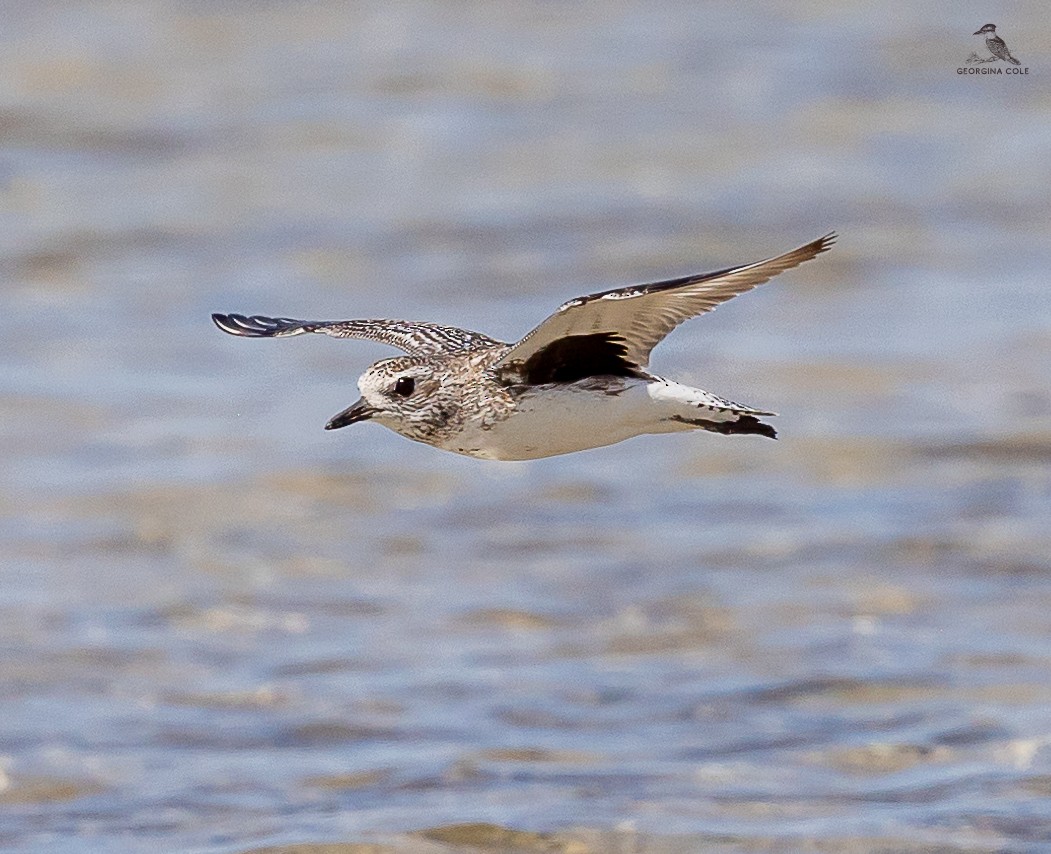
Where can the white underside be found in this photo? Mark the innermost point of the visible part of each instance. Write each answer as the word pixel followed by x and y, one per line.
pixel 561 419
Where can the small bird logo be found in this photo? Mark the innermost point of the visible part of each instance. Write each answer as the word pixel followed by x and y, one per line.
pixel 997 46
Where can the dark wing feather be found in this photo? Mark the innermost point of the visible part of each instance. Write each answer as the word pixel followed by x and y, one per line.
pixel 577 357
pixel 641 316
pixel 413 338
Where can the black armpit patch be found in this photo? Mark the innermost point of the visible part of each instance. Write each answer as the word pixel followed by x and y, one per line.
pixel 577 357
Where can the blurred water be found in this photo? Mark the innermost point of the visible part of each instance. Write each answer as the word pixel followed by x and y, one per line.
pixel 223 628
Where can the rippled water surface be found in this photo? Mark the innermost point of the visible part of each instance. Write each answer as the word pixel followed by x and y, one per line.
pixel 223 629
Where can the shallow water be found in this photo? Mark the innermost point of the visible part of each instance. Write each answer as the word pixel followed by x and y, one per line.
pixel 224 629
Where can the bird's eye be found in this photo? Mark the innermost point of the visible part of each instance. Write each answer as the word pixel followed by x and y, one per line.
pixel 404 386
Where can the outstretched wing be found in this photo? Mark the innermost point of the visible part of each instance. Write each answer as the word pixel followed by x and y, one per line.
pixel 418 339
pixel 630 322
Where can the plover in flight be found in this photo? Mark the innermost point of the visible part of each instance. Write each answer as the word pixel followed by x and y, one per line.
pixel 997 46
pixel 579 380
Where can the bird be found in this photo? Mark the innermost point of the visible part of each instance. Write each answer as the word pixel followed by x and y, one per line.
pixel 997 46
pixel 579 380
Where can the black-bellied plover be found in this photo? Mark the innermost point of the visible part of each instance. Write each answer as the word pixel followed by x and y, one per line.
pixel 997 46
pixel 579 380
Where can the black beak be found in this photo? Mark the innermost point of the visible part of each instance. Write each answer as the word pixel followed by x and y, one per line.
pixel 977 33
pixel 359 411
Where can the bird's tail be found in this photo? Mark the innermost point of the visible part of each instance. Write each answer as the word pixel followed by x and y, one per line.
pixel 1012 59
pixel 702 410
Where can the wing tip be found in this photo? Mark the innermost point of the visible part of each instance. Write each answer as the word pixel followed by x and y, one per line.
pixel 256 326
pixel 229 324
pixel 822 244
pixel 806 252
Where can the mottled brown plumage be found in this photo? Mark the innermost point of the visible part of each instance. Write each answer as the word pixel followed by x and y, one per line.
pixel 579 380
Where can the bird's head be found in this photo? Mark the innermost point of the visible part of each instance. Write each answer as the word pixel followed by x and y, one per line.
pixel 988 28
pixel 405 394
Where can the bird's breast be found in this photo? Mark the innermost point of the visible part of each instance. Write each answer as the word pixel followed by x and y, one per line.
pixel 555 419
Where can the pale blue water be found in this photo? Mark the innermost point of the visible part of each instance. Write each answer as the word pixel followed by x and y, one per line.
pixel 212 611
